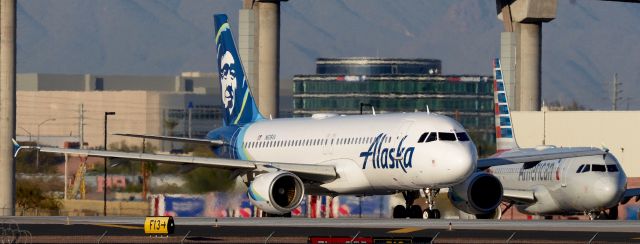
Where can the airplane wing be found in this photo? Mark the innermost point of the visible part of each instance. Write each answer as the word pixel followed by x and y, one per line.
pixel 316 173
pixel 630 193
pixel 518 196
pixel 215 143
pixel 534 155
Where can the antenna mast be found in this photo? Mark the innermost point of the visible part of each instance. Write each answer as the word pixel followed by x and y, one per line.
pixel 615 92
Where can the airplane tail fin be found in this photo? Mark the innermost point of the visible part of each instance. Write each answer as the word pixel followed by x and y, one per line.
pixel 239 106
pixel 505 136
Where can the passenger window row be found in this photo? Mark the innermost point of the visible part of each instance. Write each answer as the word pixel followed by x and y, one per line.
pixel 312 142
pixel 597 168
pixel 507 170
pixel 443 136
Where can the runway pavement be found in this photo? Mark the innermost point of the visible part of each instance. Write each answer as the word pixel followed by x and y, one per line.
pixel 298 230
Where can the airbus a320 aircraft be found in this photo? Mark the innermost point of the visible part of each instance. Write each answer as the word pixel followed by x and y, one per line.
pixel 564 186
pixel 281 160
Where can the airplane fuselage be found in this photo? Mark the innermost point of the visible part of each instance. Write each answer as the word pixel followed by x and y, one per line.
pixel 373 154
pixel 566 186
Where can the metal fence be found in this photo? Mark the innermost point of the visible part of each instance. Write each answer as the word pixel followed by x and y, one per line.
pixel 10 232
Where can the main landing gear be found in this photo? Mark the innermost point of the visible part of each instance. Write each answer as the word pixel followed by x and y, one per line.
pixel 409 210
pixel 604 215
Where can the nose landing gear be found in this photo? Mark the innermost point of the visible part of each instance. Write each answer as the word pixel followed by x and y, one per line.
pixel 431 212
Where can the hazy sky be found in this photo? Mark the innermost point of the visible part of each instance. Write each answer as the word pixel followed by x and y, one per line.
pixel 582 47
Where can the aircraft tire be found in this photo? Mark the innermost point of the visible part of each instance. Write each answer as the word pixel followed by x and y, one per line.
pixel 613 213
pixel 436 213
pixel 484 216
pixel 399 212
pixel 602 216
pixel 427 214
pixel 268 215
pixel 415 212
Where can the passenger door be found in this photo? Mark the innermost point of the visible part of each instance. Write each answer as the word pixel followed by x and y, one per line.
pixel 564 172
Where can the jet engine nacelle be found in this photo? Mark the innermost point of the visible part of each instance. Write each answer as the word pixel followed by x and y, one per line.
pixel 480 194
pixel 276 192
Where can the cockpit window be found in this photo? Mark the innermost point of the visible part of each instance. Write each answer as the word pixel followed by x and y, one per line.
pixel 586 168
pixel 423 137
pixel 427 137
pixel 462 136
pixel 612 168
pixel 446 136
pixel 580 168
pixel 598 167
pixel 431 137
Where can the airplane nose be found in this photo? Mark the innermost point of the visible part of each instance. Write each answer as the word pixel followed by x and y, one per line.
pixel 607 190
pixel 462 161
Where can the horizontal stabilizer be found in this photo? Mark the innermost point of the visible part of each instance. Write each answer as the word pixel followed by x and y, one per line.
pixel 176 139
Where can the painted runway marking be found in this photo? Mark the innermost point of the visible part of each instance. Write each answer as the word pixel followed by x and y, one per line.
pixel 128 227
pixel 405 230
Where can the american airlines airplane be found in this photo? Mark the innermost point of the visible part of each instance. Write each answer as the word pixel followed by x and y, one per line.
pixel 563 186
pixel 281 160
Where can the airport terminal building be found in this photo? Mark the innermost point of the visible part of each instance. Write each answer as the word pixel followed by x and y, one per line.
pixel 344 85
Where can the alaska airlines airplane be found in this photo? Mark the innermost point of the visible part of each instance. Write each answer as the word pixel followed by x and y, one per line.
pixel 563 186
pixel 281 160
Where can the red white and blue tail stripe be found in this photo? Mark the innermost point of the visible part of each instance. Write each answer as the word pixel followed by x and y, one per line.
pixel 505 137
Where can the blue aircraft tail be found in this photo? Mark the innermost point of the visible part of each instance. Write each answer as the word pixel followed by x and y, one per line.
pixel 239 105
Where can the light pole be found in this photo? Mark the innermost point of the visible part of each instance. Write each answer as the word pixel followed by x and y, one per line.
pixel 104 183
pixel 38 141
pixel 25 130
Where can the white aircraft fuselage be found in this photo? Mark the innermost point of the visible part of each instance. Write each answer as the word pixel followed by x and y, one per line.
pixel 373 154
pixel 566 186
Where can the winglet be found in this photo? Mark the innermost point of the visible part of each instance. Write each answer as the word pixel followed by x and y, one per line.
pixel 16 147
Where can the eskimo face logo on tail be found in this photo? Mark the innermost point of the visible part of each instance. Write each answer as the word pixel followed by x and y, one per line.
pixel 228 80
pixel 398 157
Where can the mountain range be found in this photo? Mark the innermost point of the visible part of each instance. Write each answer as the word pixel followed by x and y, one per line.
pixel 582 48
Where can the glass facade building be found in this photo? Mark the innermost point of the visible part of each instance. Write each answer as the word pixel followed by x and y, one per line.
pixel 377 66
pixel 397 85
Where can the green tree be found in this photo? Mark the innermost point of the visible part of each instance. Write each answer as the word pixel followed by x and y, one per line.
pixel 127 166
pixel 32 194
pixel 202 179
pixel 169 125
